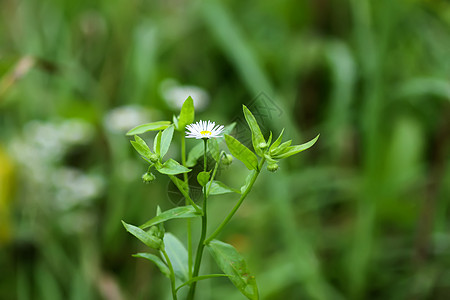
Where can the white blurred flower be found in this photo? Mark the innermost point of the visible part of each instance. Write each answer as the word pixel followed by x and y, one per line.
pixel 175 94
pixel 43 144
pixel 74 188
pixel 122 118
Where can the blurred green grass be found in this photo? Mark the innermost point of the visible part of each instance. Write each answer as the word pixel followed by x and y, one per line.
pixel 362 215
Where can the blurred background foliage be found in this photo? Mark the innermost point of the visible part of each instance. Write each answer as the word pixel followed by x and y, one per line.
pixel 362 215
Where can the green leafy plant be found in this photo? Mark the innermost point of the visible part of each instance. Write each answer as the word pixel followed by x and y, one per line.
pixel 173 259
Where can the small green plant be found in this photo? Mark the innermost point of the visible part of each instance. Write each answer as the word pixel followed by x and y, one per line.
pixel 174 260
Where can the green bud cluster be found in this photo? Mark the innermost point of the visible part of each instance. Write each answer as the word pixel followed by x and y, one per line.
pixel 263 146
pixel 153 157
pixel 272 167
pixel 148 177
pixel 227 159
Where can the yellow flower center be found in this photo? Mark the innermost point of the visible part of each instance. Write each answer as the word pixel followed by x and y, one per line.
pixel 205 132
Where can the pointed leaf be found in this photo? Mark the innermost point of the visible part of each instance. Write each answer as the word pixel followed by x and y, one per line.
pixel 187 114
pixel 241 152
pixel 214 149
pixel 178 256
pixel 158 262
pixel 203 178
pixel 157 144
pixel 166 139
pixel 161 228
pixel 281 148
pixel 175 121
pixel 195 153
pixel 269 140
pixel 149 127
pixel 141 147
pixel 218 188
pixel 143 236
pixel 248 179
pixel 172 167
pixel 277 142
pixel 201 277
pixel 289 151
pixel 257 136
pixel 181 212
pixel 180 184
pixel 232 263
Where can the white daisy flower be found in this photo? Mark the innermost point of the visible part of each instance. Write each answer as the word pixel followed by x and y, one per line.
pixel 204 130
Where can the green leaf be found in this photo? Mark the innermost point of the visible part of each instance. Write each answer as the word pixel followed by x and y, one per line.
pixel 161 228
pixel 277 142
pixel 214 149
pixel 172 167
pixel 232 264
pixel 180 184
pixel 143 236
pixel 201 277
pixel 241 152
pixel 141 147
pixel 247 181
pixel 289 151
pixel 166 139
pixel 157 144
pixel 181 212
pixel 187 114
pixel 158 262
pixel 257 136
pixel 175 121
pixel 269 140
pixel 195 153
pixel 218 188
pixel 149 127
pixel 281 148
pixel 178 257
pixel 203 178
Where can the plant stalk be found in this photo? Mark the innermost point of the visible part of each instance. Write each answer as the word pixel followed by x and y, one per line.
pixel 172 274
pixel 188 221
pixel 201 244
pixel 238 204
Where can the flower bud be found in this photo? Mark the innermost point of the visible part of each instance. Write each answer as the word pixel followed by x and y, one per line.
pixel 227 159
pixel 148 177
pixel 153 231
pixel 153 157
pixel 262 146
pixel 272 167
pixel 156 232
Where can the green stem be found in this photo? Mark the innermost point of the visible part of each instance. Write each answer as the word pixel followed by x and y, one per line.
pixel 238 204
pixel 183 156
pixel 188 221
pixel 214 173
pixel 201 244
pixel 172 274
pixel 185 194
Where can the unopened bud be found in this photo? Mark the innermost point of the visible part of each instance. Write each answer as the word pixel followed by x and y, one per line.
pixel 227 159
pixel 262 146
pixel 148 177
pixel 272 167
pixel 153 157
